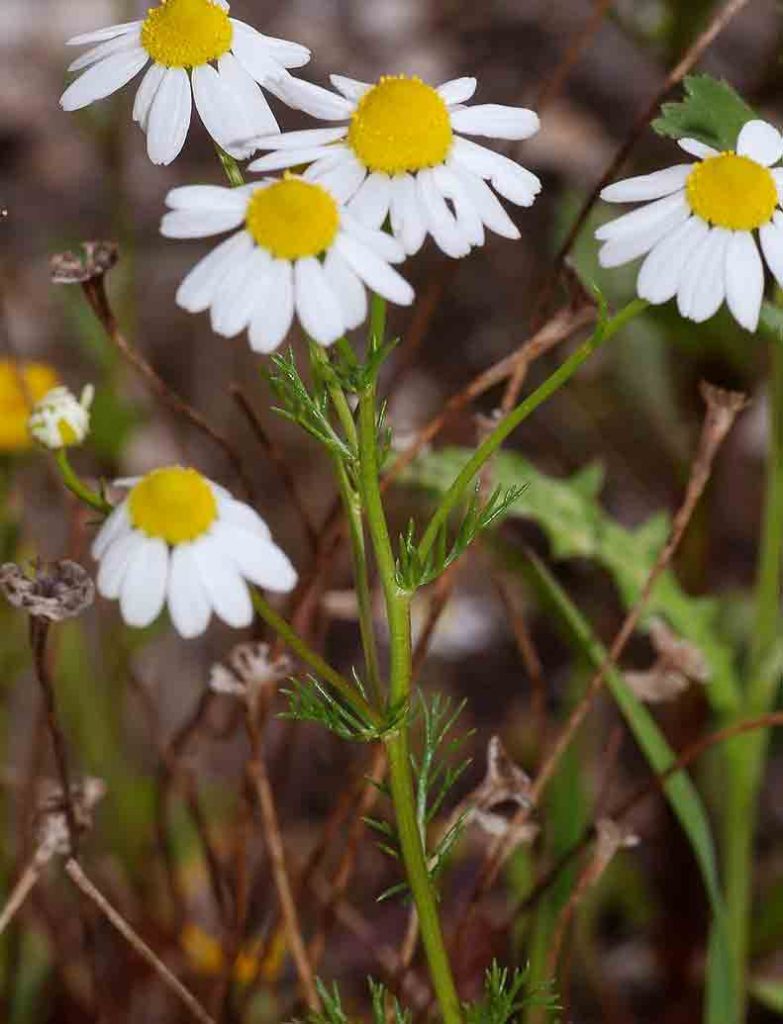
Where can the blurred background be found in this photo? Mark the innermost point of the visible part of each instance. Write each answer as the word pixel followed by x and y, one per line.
pixel 636 952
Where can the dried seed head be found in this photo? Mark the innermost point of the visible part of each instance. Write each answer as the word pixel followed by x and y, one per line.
pixel 248 670
pixel 95 259
pixel 678 664
pixel 502 796
pixel 55 591
pixel 51 821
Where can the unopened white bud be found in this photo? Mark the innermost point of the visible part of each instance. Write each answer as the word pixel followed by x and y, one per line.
pixel 60 420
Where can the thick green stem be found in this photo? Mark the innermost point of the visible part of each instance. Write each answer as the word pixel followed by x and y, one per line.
pixel 310 657
pixel 746 755
pixel 508 424
pixel 400 774
pixel 77 487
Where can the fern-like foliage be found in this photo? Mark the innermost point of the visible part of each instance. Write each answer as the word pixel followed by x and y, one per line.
pixel 413 571
pixel 310 700
pixel 507 996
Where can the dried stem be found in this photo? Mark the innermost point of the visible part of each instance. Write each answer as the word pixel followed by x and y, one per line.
pixel 83 883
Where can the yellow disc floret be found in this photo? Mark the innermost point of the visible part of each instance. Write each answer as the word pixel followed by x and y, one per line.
pixel 186 33
pixel 293 218
pixel 732 191
pixel 21 386
pixel 401 124
pixel 174 504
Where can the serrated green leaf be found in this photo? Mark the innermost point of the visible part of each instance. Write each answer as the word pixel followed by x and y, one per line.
pixel 576 526
pixel 711 111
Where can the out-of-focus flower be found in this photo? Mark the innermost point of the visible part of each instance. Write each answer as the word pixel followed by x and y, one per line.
pixel 697 227
pixel 182 540
pixel 299 251
pixel 21 386
pixel 401 154
pixel 206 956
pixel 59 419
pixel 185 39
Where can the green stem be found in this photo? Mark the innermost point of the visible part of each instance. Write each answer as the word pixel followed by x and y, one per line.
pixel 77 487
pixel 400 775
pixel 746 755
pixel 231 167
pixel 313 659
pixel 605 330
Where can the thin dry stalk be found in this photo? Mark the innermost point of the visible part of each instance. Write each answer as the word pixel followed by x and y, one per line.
pixel 113 916
pixel 95 291
pixel 581 40
pixel 259 782
pixel 25 885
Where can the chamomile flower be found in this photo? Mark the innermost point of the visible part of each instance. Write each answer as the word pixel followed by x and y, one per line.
pixel 21 386
pixel 697 231
pixel 297 251
pixel 400 152
pixel 179 539
pixel 199 54
pixel 60 419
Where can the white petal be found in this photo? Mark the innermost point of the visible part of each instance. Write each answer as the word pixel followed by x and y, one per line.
pixel 351 88
pixel 632 244
pixel 200 223
pixel 317 305
pixel 496 121
pixel 659 276
pixel 375 272
pixel 115 561
pixel 115 524
pixel 511 180
pixel 169 117
pixel 239 514
pixel 441 222
pixel 102 34
pixel 256 58
pixel 104 78
pixel 258 560
pixel 645 217
pixel 127 41
pixel 761 142
pixel 458 90
pixel 468 218
pixel 199 288
pixel 273 315
pixel 233 307
pixel 145 95
pixel 407 217
pixel 342 177
pixel 744 279
pixel 225 588
pixel 280 160
pixel 284 52
pixel 648 186
pixel 312 99
pixel 144 586
pixel 696 148
pixel 349 290
pixel 381 243
pixel 261 120
pixel 771 237
pixel 206 198
pixel 703 285
pixel 189 605
pixel 222 112
pixel 372 200
pixel 305 139
pixel 487 204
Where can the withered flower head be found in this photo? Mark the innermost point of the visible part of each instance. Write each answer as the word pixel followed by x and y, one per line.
pixel 55 591
pixel 51 822
pixel 95 259
pixel 247 670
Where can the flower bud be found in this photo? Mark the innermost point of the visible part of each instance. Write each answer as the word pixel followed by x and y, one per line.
pixel 59 420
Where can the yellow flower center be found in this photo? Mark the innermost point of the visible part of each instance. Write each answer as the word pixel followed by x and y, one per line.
pixel 732 192
pixel 174 504
pixel 186 33
pixel 21 386
pixel 293 218
pixel 401 124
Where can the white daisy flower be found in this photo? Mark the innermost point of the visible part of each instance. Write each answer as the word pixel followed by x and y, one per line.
pixel 182 540
pixel 185 39
pixel 401 153
pixel 60 419
pixel 298 250
pixel 697 230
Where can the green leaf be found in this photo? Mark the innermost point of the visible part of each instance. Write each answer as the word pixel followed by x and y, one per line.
pixel 771 322
pixel 682 795
pixel 576 525
pixel 769 992
pixel 711 112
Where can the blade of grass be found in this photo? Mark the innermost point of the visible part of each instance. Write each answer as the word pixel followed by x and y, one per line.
pixel 682 795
